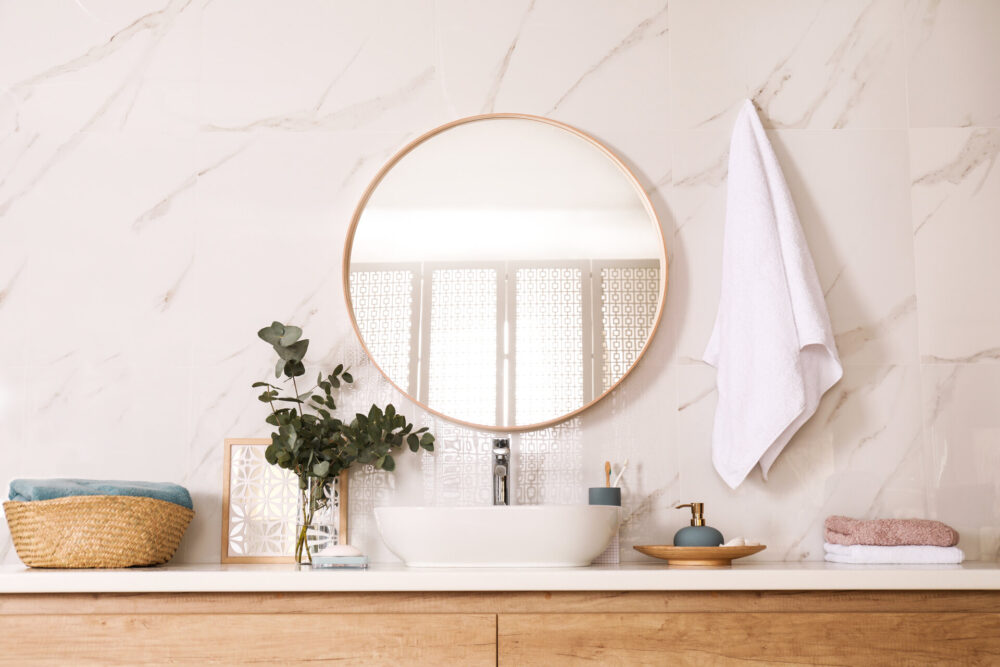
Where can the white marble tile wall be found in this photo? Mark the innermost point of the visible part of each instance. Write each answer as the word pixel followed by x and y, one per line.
pixel 174 173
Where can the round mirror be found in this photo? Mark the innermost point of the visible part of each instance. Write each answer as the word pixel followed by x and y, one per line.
pixel 505 271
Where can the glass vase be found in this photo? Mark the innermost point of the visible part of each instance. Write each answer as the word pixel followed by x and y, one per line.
pixel 317 526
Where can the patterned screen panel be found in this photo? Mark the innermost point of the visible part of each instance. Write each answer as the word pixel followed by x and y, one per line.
pixel 629 299
pixel 263 505
pixel 575 329
pixel 383 303
pixel 548 360
pixel 462 363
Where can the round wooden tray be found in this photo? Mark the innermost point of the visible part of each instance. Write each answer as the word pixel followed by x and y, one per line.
pixel 698 556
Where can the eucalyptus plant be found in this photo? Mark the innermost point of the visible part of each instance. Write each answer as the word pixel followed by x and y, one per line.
pixel 311 440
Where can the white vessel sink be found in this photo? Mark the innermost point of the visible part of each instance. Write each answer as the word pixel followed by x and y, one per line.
pixel 520 536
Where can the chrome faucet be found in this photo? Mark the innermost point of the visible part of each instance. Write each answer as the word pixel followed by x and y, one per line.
pixel 501 471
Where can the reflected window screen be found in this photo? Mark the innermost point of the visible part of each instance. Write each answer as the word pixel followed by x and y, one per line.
pixel 629 294
pixel 384 306
pixel 574 329
pixel 460 322
pixel 548 363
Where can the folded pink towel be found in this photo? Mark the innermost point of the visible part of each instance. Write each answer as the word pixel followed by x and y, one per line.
pixel 889 532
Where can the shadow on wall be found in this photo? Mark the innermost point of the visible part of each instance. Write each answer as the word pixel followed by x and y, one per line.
pixel 205 529
pixel 817 232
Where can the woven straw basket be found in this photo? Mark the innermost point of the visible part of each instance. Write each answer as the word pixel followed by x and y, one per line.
pixel 96 531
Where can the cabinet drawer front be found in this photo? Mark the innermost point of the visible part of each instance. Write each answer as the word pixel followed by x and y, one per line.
pixel 734 638
pixel 354 639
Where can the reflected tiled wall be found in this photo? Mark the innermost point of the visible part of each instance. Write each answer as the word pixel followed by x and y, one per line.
pixel 175 174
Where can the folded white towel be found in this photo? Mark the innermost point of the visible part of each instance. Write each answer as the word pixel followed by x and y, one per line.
pixel 772 343
pixel 863 553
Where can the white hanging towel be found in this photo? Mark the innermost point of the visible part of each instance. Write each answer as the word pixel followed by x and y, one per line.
pixel 772 343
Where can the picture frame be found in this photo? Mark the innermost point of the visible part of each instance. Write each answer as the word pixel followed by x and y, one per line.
pixel 260 503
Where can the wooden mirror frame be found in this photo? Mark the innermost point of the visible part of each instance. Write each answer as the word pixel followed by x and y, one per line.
pixel 403 152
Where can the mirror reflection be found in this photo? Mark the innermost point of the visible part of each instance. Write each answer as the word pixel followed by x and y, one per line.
pixel 505 271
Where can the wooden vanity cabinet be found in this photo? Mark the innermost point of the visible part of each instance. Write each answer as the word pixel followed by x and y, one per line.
pixel 516 628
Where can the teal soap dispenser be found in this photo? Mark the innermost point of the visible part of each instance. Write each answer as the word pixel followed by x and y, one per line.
pixel 697 534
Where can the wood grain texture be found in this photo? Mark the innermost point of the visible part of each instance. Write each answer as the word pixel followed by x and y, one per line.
pixel 463 628
pixel 503 602
pixel 260 639
pixel 749 638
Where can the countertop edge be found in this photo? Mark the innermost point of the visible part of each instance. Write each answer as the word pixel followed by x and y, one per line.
pixel 395 578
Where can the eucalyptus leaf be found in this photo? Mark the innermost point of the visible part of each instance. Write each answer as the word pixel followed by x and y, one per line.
pixel 291 335
pixel 293 352
pixel 294 369
pixel 288 435
pixel 271 453
pixel 273 333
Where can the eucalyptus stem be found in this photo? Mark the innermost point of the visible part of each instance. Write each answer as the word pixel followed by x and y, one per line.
pixel 306 522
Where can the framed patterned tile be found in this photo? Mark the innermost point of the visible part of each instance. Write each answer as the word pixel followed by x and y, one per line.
pixel 260 505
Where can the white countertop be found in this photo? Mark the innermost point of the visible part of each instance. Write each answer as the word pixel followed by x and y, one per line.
pixel 387 577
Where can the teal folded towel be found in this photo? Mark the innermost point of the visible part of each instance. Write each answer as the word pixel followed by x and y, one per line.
pixel 46 489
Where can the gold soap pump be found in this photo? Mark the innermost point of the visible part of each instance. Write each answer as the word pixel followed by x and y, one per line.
pixel 697 534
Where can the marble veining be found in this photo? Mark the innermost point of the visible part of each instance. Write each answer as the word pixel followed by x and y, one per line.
pixel 980 149
pixel 174 173
pixel 160 208
pixel 348 117
pixel 807 65
pixel 491 97
pixel 630 40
